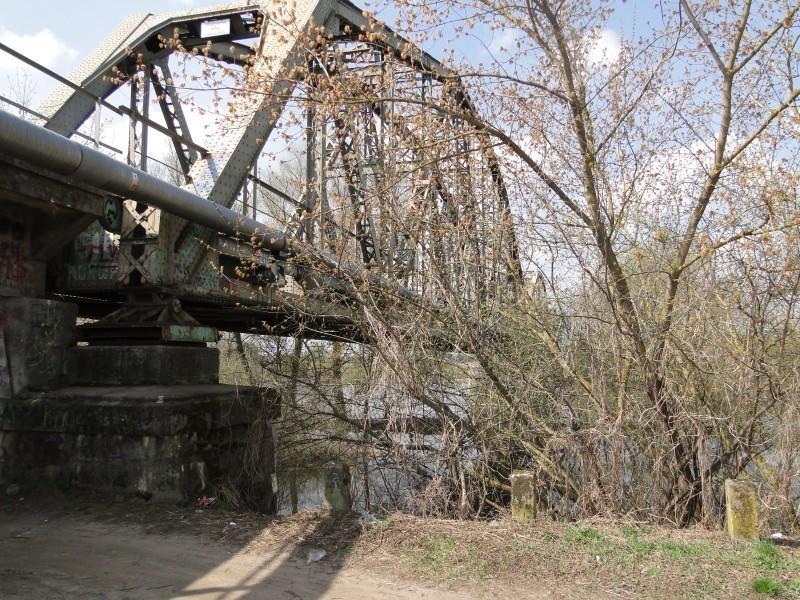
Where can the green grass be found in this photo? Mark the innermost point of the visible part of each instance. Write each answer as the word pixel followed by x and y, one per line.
pixel 382 524
pixel 777 576
pixel 595 542
pixel 766 585
pixel 638 560
pixel 768 556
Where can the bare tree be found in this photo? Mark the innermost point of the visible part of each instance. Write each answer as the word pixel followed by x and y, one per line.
pixel 626 297
pixel 21 91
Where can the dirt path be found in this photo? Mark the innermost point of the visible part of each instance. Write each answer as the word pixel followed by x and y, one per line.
pixel 46 555
pixel 92 546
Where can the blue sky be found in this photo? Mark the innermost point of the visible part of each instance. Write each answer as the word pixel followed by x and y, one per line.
pixel 60 34
pixel 60 38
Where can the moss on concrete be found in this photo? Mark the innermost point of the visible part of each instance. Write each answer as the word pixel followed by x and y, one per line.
pixel 741 510
pixel 523 495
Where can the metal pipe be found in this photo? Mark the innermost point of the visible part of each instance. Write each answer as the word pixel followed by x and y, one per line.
pixel 49 150
pixel 39 115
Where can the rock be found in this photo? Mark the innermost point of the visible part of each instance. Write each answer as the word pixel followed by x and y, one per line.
pixel 145 494
pixel 315 556
pixel 12 490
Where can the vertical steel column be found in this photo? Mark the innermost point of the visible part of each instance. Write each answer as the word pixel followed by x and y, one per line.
pixel 313 175
pixel 255 190
pixel 132 141
pixel 146 114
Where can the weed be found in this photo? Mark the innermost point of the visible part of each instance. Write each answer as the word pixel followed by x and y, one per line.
pixel 632 533
pixel 587 535
pixel 439 551
pixel 677 550
pixel 766 585
pixel 641 548
pixel 767 556
pixel 547 536
pixel 119 498
pixel 330 521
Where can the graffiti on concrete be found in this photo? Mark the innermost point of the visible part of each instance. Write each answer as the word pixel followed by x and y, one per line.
pixel 93 258
pixel 13 255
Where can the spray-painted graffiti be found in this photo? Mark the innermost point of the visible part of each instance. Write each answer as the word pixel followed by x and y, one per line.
pixel 93 259
pixel 14 265
pixel 13 270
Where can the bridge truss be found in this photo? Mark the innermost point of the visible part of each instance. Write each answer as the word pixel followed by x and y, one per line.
pixel 396 179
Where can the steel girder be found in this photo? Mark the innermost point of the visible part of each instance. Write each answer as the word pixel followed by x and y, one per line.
pixel 163 251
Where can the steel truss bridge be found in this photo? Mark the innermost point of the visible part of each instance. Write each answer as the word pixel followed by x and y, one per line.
pixel 389 184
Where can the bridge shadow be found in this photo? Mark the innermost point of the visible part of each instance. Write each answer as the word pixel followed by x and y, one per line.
pixel 56 547
pixel 288 569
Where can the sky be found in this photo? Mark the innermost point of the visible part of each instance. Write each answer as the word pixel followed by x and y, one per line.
pixel 60 38
pixel 60 35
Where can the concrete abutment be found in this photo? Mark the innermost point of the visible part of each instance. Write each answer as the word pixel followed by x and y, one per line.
pixel 151 419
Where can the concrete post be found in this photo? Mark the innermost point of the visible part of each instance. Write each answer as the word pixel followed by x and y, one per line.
pixel 337 487
pixel 741 510
pixel 523 495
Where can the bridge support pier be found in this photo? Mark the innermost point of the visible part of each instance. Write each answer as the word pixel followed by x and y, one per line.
pixel 174 442
pixel 151 419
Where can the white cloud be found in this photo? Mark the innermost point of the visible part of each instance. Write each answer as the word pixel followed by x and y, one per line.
pixel 184 3
pixel 604 49
pixel 504 42
pixel 43 47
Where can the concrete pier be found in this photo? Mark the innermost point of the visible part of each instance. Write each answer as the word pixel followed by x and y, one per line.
pixel 174 442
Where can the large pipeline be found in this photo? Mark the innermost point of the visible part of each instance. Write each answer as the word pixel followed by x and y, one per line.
pixel 43 148
pixel 46 149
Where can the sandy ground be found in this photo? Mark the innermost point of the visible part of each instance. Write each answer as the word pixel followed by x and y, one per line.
pixel 44 554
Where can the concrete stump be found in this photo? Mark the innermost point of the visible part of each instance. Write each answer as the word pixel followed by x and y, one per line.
pixel 523 495
pixel 741 510
pixel 337 487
